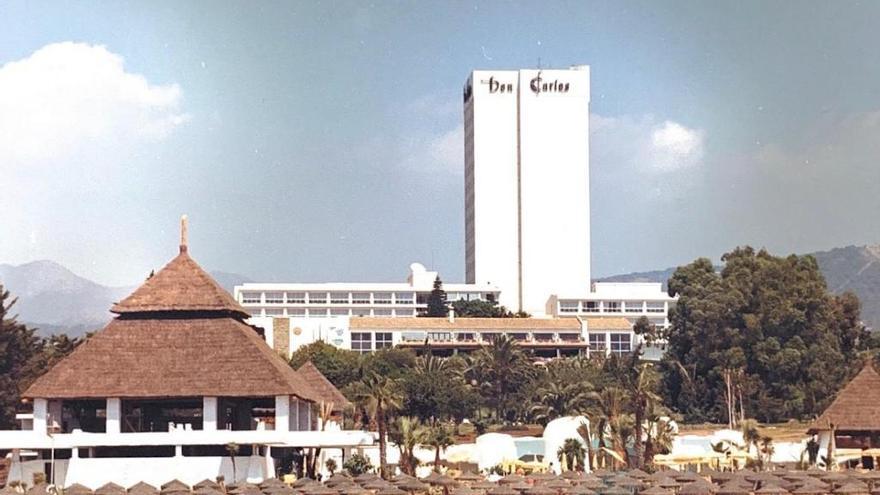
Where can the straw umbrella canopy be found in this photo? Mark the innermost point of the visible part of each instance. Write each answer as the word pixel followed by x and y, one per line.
pixel 276 490
pixel 142 488
pixel 9 490
pixel 655 490
pixel 377 484
pixel 207 490
pixel 511 479
pixel 579 490
pixel 852 488
pixel 413 485
pixel 615 490
pixel 402 477
pixel 603 473
pixel 540 490
pixel 520 486
pixel 38 489
pixel 697 488
pixel 668 483
pixel 502 490
pixel 733 488
pixel 319 489
pixel 483 485
pixel 541 477
pixel 355 490
pixel 365 477
pixel 110 489
pixel 465 491
pixel 206 483
pixel 771 489
pixel 444 481
pixel 77 489
pixel 174 486
pixel 469 476
pixel 557 484
pixel 391 490
pixel 811 489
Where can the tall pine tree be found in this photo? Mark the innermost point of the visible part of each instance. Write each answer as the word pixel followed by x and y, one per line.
pixel 437 306
pixel 20 353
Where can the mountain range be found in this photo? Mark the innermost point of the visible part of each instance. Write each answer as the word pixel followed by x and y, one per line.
pixel 53 299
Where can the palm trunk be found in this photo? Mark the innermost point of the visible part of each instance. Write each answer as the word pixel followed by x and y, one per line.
pixel 638 446
pixel 437 459
pixel 380 425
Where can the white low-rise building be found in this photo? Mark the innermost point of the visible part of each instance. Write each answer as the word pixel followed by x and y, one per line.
pixel 631 300
pixel 335 299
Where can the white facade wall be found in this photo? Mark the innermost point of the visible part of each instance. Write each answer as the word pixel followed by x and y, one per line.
pixel 491 184
pixel 527 203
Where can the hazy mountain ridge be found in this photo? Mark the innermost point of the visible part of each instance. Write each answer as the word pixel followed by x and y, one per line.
pixel 850 268
pixel 53 299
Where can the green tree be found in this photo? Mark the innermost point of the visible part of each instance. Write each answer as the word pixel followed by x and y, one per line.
pixel 380 396
pixel 21 353
pixel 559 398
pixel 500 370
pixel 762 336
pixel 357 464
pixel 340 366
pixel 406 432
pixel 646 330
pixel 437 306
pixel 571 454
pixel 484 309
pixel 435 389
pixel 438 437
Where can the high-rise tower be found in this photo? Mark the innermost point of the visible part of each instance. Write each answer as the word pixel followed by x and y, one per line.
pixel 527 183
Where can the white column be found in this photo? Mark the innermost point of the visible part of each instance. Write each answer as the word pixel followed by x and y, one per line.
pixel 114 415
pixel 607 343
pixel 41 413
pixel 282 413
pixel 209 413
pixel 295 424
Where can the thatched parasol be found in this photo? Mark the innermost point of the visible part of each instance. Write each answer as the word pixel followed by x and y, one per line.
pixel 391 490
pixel 469 476
pixel 502 490
pixel 483 485
pixel 77 489
pixel 655 490
pixel 698 488
pixel 540 490
pixel 511 479
pixel 142 488
pixel 174 486
pixel 110 489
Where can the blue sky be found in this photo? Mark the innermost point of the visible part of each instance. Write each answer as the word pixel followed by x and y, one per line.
pixel 321 141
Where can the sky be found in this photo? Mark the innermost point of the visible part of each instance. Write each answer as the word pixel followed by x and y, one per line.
pixel 322 141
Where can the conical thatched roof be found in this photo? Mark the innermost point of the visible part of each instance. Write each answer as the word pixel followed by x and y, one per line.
pixel 178 335
pixel 856 407
pixel 326 391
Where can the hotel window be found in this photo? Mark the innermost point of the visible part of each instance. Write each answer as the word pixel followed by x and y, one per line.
pixel 569 337
pixel 656 306
pixel 406 313
pixel 612 306
pixel 360 298
pixel 633 306
pixel 339 298
pixel 403 298
pixel 362 342
pixel 621 343
pixel 250 298
pixel 338 312
pixel 274 298
pixel 383 340
pixel 591 307
pixel 318 313
pixel 597 342
pixel 568 306
pixel 520 337
pixel 464 337
pixel 296 313
pixel 413 336
pixel 422 298
pixel 381 312
pixel 296 298
pixel 257 312
pixel 360 312
pixel 274 312
pixel 382 298
pixel 543 336
pixel 317 298
pixel 453 296
pixel 440 336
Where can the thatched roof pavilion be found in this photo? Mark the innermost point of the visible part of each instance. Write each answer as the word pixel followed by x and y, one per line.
pixel 856 407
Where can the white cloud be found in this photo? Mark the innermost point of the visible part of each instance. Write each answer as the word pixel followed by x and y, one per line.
pixel 67 98
pixel 644 144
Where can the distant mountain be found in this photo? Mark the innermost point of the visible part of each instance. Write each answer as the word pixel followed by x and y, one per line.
pixel 53 299
pixel 852 268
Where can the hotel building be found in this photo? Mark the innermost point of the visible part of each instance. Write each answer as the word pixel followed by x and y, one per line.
pixel 527 184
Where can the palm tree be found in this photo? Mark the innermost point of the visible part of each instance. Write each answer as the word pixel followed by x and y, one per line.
pixel 380 396
pixel 766 451
pixel 751 435
pixel 571 454
pixel 555 399
pixel 586 434
pixel 640 388
pixel 438 437
pixel 606 409
pixel 499 368
pixel 406 432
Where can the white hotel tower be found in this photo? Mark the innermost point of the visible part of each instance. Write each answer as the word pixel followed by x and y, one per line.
pixel 527 184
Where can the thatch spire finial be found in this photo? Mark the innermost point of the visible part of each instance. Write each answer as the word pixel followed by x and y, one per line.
pixel 183 233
